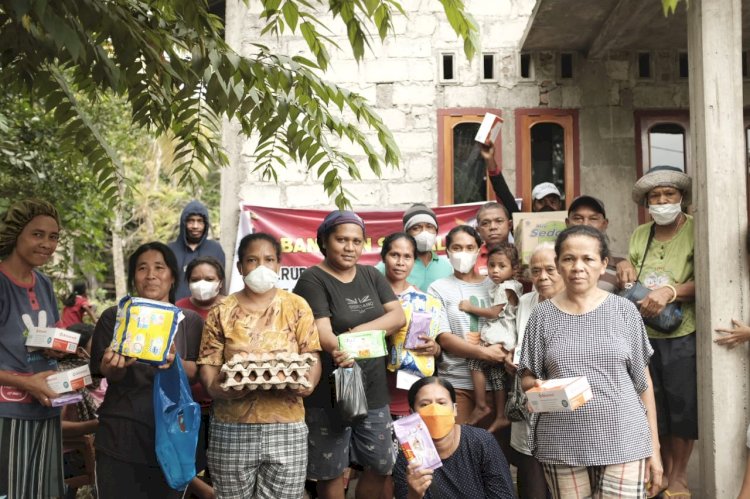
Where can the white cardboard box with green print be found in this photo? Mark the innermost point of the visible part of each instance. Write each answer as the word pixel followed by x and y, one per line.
pixel 559 395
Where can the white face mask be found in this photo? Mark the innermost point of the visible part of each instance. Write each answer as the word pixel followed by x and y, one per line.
pixel 664 214
pixel 463 261
pixel 425 241
pixel 204 290
pixel 261 279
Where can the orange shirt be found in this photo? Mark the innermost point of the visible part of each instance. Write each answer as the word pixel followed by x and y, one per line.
pixel 287 325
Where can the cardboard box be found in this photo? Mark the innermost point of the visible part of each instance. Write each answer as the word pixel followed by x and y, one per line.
pixel 364 344
pixel 70 380
pixel 559 395
pixel 532 229
pixel 489 129
pixel 54 338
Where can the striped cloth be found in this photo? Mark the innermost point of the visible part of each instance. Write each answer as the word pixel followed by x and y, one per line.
pixel 31 458
pixel 263 461
pixel 625 481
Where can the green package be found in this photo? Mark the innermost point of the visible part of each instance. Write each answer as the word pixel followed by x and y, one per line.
pixel 364 344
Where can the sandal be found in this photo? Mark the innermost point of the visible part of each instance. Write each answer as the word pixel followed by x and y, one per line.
pixel 667 493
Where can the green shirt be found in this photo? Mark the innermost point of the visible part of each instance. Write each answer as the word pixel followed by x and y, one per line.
pixel 422 276
pixel 667 262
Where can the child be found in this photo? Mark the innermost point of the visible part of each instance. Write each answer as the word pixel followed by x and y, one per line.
pixel 76 305
pixel 502 265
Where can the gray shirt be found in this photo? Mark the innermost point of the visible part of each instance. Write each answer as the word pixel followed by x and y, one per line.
pixel 609 346
pixel 450 291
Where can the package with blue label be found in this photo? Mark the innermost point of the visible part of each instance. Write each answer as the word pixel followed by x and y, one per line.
pixel 145 329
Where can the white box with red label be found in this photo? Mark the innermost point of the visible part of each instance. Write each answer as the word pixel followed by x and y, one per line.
pixel 70 380
pixel 54 338
pixel 559 395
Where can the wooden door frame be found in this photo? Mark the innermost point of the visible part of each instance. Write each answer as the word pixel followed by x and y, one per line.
pixel 525 120
pixel 447 120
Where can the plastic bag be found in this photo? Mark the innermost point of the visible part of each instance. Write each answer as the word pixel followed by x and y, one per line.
pixel 177 420
pixel 350 394
pixel 667 321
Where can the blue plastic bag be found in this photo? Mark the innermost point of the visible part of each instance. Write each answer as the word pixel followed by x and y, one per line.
pixel 177 420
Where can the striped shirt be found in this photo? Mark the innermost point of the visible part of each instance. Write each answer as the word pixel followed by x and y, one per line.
pixel 450 291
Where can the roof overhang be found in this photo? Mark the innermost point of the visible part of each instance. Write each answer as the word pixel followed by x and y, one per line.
pixel 597 27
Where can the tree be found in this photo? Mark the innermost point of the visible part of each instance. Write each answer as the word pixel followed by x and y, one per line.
pixel 168 59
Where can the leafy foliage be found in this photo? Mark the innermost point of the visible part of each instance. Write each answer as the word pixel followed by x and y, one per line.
pixel 670 6
pixel 168 59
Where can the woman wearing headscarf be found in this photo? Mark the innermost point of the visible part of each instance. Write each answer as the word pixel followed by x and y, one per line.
pixel 348 297
pixel 661 257
pixel 30 431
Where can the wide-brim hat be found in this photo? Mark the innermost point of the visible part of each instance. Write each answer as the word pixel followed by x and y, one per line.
pixel 663 176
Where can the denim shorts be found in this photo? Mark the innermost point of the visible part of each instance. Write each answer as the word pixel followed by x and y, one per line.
pixel 368 443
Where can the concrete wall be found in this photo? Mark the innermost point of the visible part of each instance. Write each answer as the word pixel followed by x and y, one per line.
pixel 400 79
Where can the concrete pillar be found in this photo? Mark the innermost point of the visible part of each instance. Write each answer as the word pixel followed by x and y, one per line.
pixel 714 48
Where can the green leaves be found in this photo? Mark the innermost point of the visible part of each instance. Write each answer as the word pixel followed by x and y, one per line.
pixel 169 60
pixel 670 6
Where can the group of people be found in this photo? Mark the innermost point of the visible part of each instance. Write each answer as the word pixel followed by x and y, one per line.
pixel 632 439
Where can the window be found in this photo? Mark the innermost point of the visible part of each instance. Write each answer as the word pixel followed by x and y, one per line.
pixel 488 67
pixel 662 138
pixel 462 176
pixel 548 145
pixel 525 66
pixel 682 62
pixel 644 65
pixel 666 145
pixel 566 65
pixel 447 67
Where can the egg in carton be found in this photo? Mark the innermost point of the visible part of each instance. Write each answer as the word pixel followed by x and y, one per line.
pixel 263 377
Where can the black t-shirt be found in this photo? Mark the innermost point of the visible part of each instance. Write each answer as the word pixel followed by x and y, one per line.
pixel 348 304
pixel 126 417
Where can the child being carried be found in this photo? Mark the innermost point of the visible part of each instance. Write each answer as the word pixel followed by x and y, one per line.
pixel 502 265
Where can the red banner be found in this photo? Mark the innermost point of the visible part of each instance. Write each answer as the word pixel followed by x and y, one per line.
pixel 296 231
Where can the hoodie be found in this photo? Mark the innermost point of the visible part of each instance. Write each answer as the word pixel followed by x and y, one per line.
pixel 185 254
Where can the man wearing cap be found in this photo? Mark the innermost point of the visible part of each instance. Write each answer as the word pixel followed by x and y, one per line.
pixel 546 197
pixel 588 210
pixel 420 222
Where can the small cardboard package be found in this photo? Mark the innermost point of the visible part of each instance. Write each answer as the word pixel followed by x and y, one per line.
pixel 364 344
pixel 532 229
pixel 54 338
pixel 70 380
pixel 559 395
pixel 489 129
pixel 145 329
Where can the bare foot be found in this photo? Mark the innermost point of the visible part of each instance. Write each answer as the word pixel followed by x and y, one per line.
pixel 499 423
pixel 477 415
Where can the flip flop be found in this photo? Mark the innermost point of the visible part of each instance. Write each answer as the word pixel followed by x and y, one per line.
pixel 677 494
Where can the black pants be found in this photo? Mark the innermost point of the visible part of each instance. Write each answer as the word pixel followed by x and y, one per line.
pixel 116 479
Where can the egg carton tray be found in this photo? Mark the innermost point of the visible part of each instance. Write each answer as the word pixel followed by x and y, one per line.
pixel 267 371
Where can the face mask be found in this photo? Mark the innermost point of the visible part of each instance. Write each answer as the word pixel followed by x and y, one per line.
pixel 425 241
pixel 261 279
pixel 463 261
pixel 204 290
pixel 664 214
pixel 439 419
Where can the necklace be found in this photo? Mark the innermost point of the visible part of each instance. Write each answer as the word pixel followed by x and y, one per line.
pixel 680 219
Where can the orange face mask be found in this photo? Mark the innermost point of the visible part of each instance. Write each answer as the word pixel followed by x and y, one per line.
pixel 439 419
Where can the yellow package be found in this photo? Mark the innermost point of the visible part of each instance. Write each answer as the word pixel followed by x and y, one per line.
pixel 145 329
pixel 422 319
